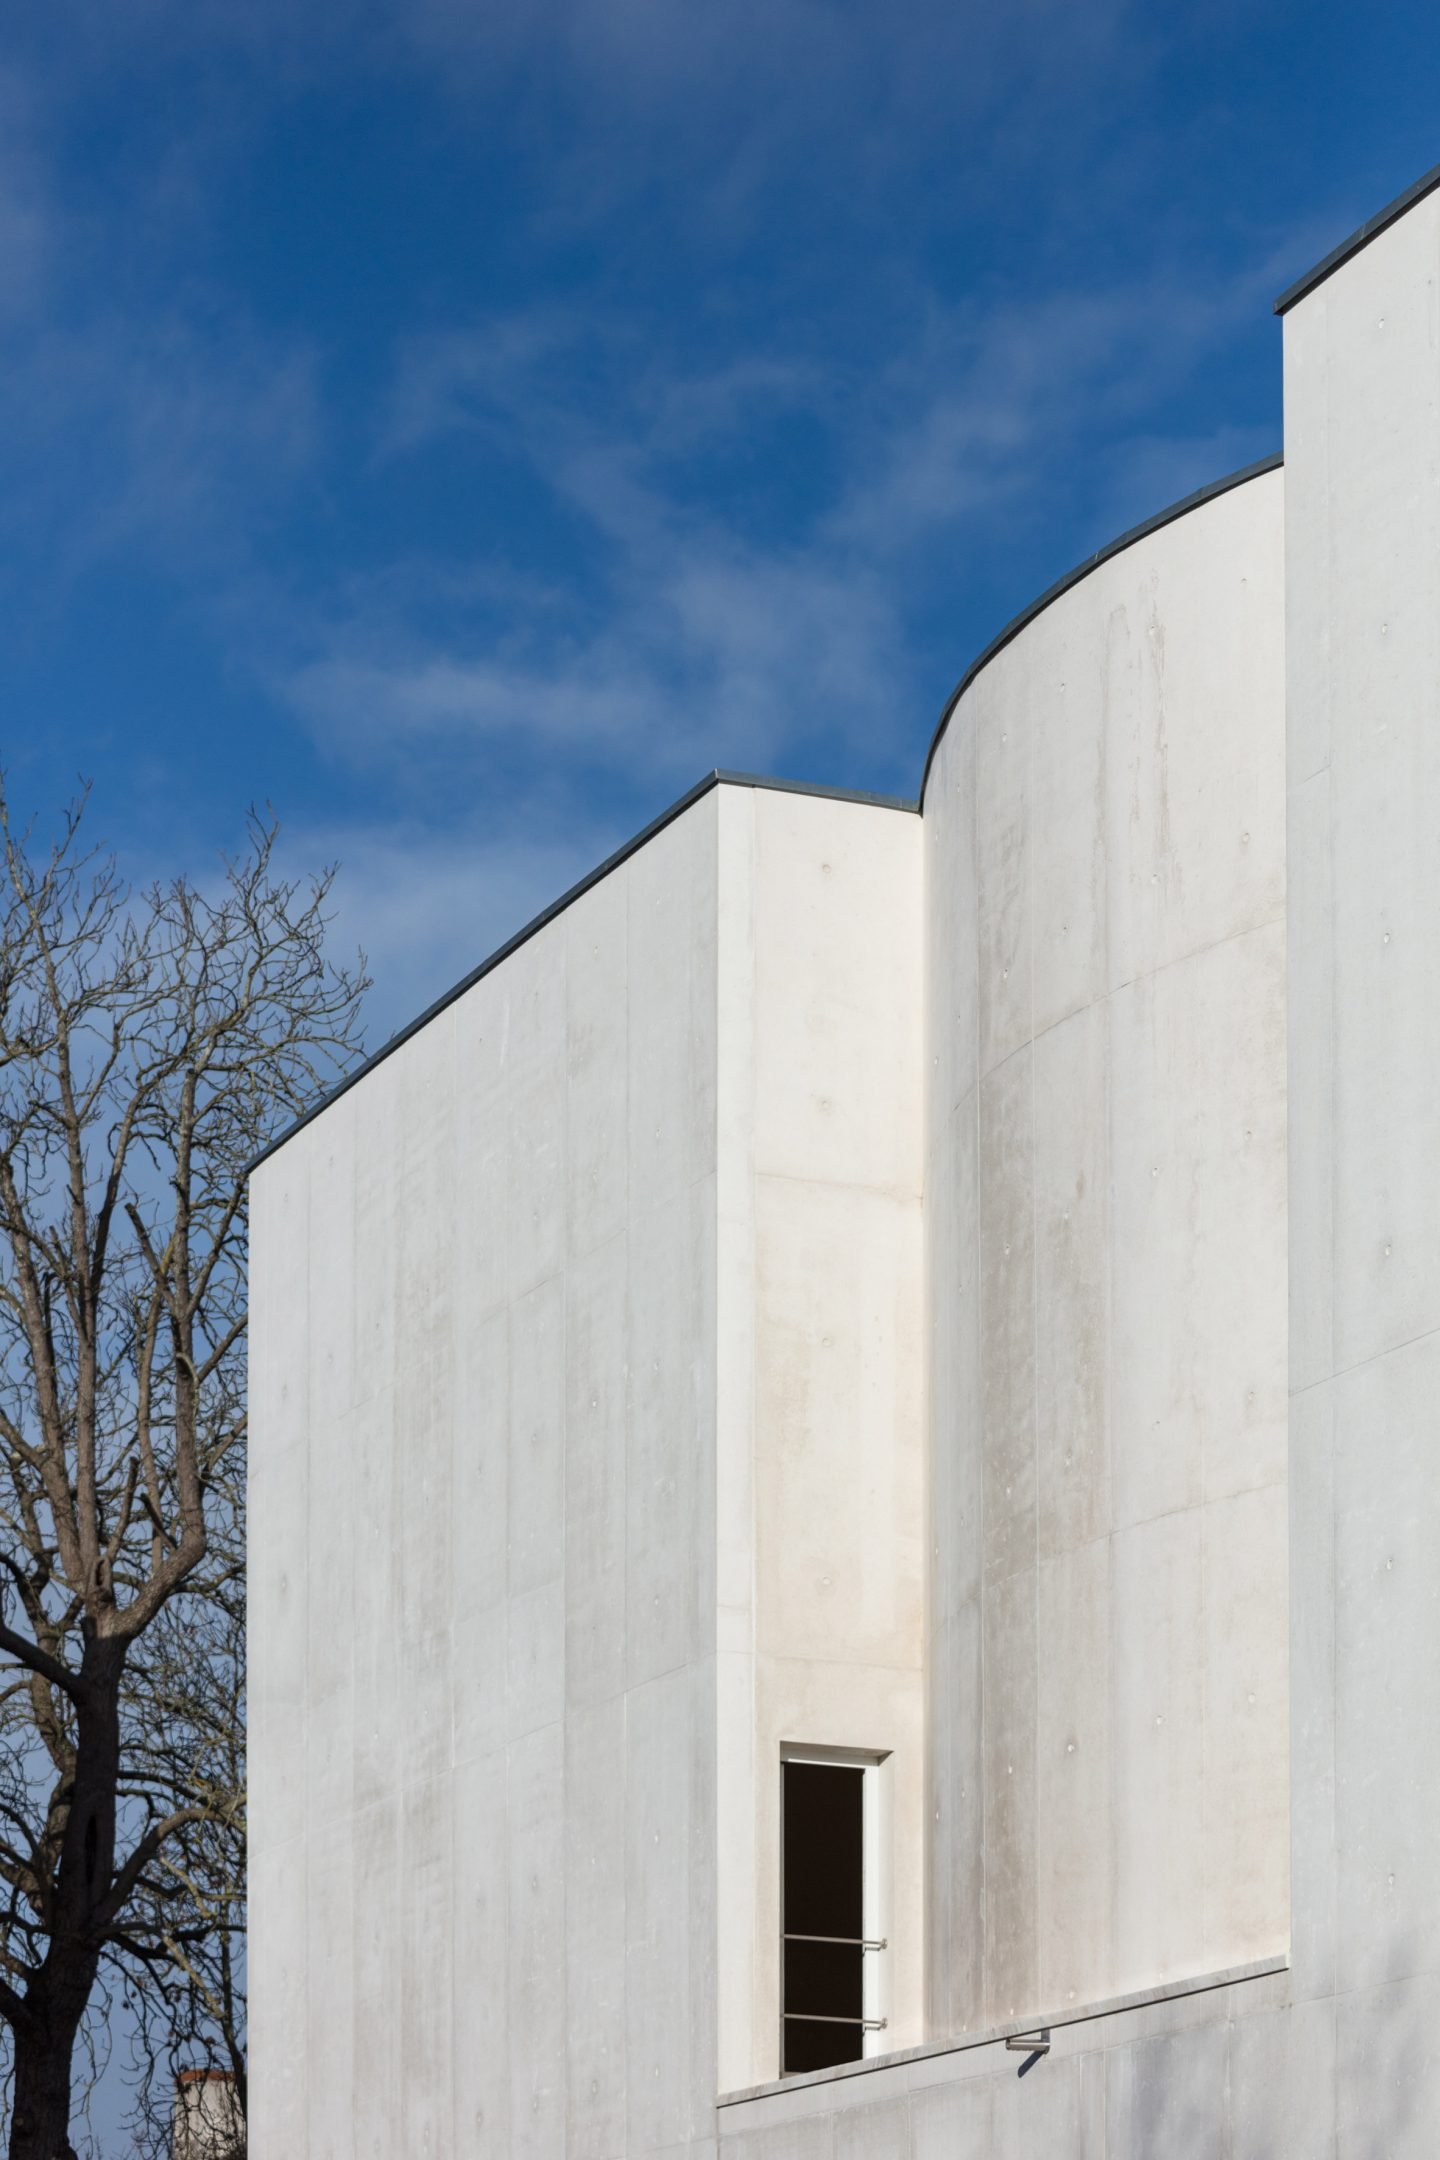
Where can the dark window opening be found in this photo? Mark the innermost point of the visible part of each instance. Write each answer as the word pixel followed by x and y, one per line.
pixel 823 1904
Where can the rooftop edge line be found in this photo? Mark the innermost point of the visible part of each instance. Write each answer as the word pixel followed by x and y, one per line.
pixel 720 778
pixel 630 847
pixel 1361 237
pixel 1209 493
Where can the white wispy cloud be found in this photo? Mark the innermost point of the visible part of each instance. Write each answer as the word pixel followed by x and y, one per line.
pixel 705 639
pixel 702 605
pixel 728 657
pixel 26 209
pixel 146 444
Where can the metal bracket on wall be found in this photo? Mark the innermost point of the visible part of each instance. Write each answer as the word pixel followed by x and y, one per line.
pixel 1036 2043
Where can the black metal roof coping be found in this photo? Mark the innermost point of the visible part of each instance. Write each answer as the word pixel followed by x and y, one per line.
pixel 1361 237
pixel 1062 585
pixel 558 907
pixel 677 809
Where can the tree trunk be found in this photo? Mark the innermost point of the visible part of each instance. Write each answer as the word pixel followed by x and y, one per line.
pixel 44 2052
pixel 56 1998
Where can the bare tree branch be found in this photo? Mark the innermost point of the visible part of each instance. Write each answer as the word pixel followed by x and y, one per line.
pixel 129 1875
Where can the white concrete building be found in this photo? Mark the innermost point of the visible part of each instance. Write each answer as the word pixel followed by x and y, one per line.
pixel 875 1375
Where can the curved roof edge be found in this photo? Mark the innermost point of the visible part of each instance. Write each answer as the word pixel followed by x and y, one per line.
pixel 1062 585
pixel 557 907
pixel 1361 237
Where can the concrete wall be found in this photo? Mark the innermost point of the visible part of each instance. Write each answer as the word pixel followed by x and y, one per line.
pixel 1105 1198
pixel 821 1431
pixel 482 1591
pixel 1362 406
pixel 1234 2072
pixel 489 1578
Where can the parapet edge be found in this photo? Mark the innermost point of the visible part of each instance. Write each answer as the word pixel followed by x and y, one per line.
pixel 547 915
pixel 966 2043
pixel 1361 237
pixel 1196 501
pixel 721 778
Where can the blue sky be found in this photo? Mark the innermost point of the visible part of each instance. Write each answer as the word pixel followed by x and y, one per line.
pixel 463 425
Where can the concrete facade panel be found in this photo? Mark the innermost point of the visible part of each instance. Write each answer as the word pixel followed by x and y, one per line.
pixel 1010 1828
pixel 668 1475
pixel 820 1459
pixel 952 2122
pixel 1282 2084
pixel 535 1943
pixel 1166 2095
pixel 1310 1103
pixel 480 1461
pixel 954 1820
pixel 493 1530
pixel 1195 794
pixel 596 1396
pixel 837 1086
pixel 1157 1744
pixel 481 2009
pixel 952 951
pixel 1075 1831
pixel 535 1483
pixel 1121 1243
pixel 1387 1516
pixel 878 2132
pixel 1007 1347
pixel 659 1802
pixel 597 1161
pixel 1387 2070
pixel 1064 731
pixel 1074 1501
pixel 279 2111
pixel 427 1970
pixel 1362 362
pixel 1198 1056
pixel 596 1950
pixel 1362 357
pixel 844 1352
pixel 1312 1692
pixel 482 1143
pixel 1004 941
pixel 376 2001
pixel 1246 1836
pixel 534 1028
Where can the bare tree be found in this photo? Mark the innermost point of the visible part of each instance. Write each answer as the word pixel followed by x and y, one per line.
pixel 186 1716
pixel 149 1045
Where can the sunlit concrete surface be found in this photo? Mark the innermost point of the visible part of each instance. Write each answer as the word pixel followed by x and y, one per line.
pixel 483 1527
pixel 1105 1196
pixel 827 1286
pixel 821 1454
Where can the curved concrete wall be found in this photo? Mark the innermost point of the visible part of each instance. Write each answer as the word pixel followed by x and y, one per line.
pixel 1105 1212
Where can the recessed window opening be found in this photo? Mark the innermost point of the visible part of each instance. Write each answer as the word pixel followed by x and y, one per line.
pixel 832 1904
